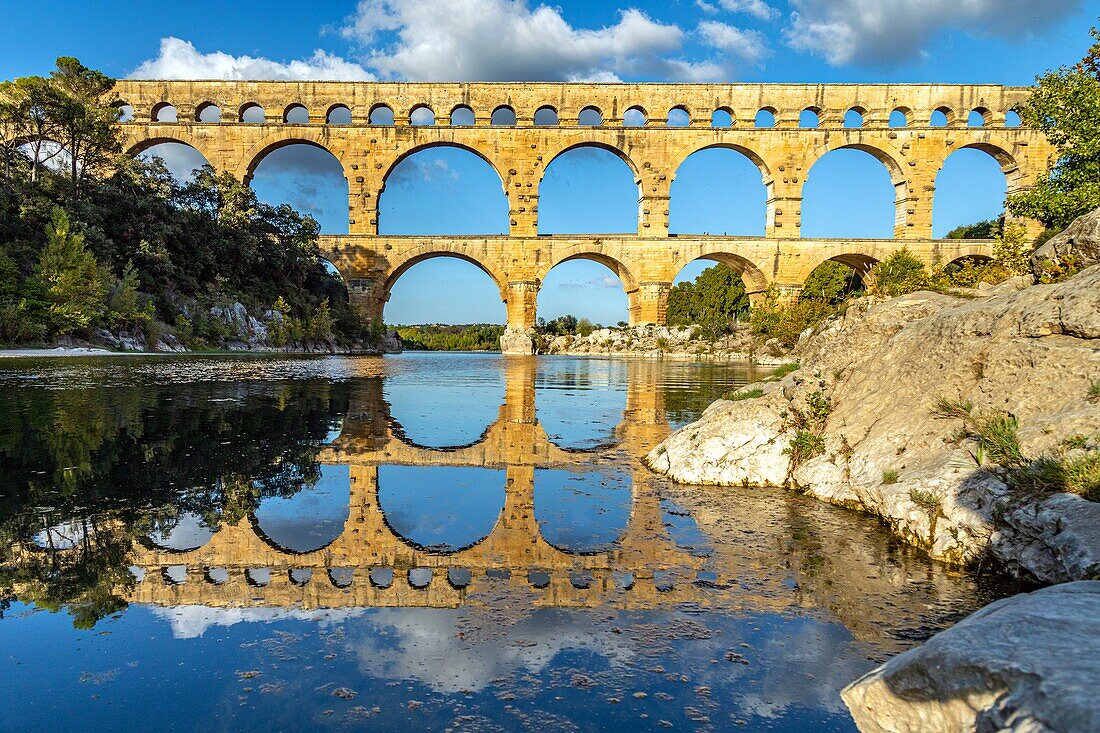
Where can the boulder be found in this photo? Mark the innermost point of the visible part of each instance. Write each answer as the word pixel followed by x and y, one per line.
pixel 1079 244
pixel 518 341
pixel 1034 353
pixel 1026 663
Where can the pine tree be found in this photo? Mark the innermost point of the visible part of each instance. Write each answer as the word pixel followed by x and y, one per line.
pixel 72 281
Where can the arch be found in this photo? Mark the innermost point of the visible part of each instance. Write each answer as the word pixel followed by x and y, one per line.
pixel 840 192
pixel 177 151
pixel 941 117
pixel 187 532
pixel 582 513
pixel 635 117
pixel 810 117
pixel 557 299
pixel 970 187
pixel 208 112
pixel 979 117
pixel 295 166
pixel 901 117
pixel 296 114
pixel 678 116
pixel 338 114
pixel 722 117
pixel 421 116
pixel 756 282
pixel 720 208
pixel 163 112
pixel 546 116
pixel 853 118
pixel 463 116
pixel 381 114
pixel 442 249
pixel 765 117
pixel 562 199
pixel 125 111
pixel 590 116
pixel 503 116
pixel 471 498
pixel 1012 118
pixel 979 259
pixel 466 199
pixel 309 520
pixel 252 113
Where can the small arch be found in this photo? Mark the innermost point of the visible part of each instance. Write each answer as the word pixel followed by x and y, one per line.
pixel 463 116
pixel 901 117
pixel 810 118
pixel 179 155
pixel 380 114
pixel 837 278
pixel 164 112
pixel 765 117
pixel 590 117
pixel 296 114
pixel 476 292
pixel 582 513
pixel 853 118
pixel 421 116
pixel 635 117
pixel 503 116
pixel 208 112
pixel 722 117
pixel 252 113
pixel 941 117
pixel 978 117
pixel 678 116
pixel 338 114
pixel 312 518
pixel 125 112
pixel 1012 118
pixel 546 116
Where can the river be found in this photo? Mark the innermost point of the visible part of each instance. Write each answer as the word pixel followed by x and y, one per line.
pixel 425 541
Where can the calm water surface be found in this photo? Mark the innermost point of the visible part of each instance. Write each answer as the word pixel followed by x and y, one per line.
pixel 426 542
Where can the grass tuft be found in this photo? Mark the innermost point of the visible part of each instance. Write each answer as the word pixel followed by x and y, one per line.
pixel 889 477
pixel 926 500
pixel 783 370
pixel 745 394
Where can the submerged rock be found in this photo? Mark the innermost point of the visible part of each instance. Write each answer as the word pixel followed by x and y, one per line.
pixel 1034 353
pixel 1026 663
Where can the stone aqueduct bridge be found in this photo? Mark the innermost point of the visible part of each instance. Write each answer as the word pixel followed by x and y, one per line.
pixel 647 262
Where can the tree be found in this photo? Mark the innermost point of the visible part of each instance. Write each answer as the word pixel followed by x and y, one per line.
pixel 85 119
pixel 990 229
pixel 73 283
pixel 713 301
pixel 28 118
pixel 831 282
pixel 1066 107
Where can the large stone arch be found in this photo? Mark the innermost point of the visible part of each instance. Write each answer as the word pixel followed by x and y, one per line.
pixel 136 144
pixel 754 277
pixel 485 153
pixel 291 135
pixel 999 151
pixel 592 252
pixel 890 157
pixel 593 141
pixel 766 178
pixel 457 248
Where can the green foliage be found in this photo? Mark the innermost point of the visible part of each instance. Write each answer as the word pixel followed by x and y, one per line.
pixel 585 327
pixel 889 477
pixel 805 445
pixel 714 302
pixel 561 326
pixel 900 273
pixel 981 230
pixel 809 426
pixel 783 370
pixel 477 337
pixel 1065 106
pixel 744 394
pixel 1075 474
pixel 959 409
pixel 72 282
pixel 786 321
pixel 1094 391
pixel 832 283
pixel 926 500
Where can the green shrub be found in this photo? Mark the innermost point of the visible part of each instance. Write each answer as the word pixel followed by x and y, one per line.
pixel 745 394
pixel 787 321
pixel 889 477
pixel 926 500
pixel 1094 392
pixel 783 370
pixel 1078 474
pixel 805 445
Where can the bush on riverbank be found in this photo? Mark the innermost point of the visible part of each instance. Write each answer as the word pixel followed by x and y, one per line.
pixel 115 243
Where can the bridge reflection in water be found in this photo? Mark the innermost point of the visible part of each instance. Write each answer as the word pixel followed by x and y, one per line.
pixel 370 563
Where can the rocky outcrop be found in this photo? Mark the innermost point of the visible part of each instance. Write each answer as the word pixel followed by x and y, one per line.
pixel 651 340
pixel 1026 663
pixel 1078 247
pixel 517 341
pixel 877 370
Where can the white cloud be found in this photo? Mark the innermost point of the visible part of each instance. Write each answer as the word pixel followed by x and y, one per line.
pixel 872 31
pixel 747 44
pixel 706 7
pixel 505 40
pixel 180 59
pixel 756 8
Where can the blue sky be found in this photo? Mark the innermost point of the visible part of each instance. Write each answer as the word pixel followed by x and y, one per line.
pixel 448 191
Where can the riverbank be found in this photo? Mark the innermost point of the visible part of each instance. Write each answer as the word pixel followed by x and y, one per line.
pixel 666 342
pixel 934 413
